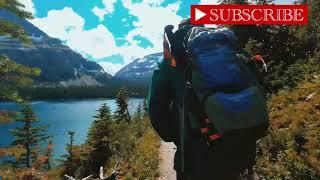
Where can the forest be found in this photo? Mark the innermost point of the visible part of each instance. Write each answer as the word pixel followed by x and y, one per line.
pixel 80 92
pixel 289 151
pixel 117 145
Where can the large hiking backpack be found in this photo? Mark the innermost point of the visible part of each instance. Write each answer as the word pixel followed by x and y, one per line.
pixel 226 95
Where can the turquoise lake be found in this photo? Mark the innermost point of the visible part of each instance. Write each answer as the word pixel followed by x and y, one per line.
pixel 63 116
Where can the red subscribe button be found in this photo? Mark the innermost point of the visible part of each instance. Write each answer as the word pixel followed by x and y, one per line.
pixel 249 14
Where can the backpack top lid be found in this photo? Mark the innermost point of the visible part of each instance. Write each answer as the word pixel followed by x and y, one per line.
pixel 200 40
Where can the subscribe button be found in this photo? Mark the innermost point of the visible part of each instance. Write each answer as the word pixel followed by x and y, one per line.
pixel 249 14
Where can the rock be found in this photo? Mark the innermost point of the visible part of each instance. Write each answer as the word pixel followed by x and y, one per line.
pixel 140 69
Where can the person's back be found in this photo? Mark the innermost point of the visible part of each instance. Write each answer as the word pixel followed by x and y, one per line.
pixel 226 159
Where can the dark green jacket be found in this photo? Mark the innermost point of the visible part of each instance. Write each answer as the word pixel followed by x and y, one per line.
pixel 223 161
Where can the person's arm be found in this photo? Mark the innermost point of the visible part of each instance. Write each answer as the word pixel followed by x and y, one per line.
pixel 254 67
pixel 160 100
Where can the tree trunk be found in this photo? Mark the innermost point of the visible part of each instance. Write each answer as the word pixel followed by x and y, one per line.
pixel 27 145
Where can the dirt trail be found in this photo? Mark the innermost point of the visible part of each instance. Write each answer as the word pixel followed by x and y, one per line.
pixel 167 151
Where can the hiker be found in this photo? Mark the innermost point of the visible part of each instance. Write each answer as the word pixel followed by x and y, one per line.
pixel 206 101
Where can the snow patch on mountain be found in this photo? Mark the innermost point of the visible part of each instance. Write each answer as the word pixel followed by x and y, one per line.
pixel 141 68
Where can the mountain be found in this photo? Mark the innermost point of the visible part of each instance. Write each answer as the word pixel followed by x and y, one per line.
pixel 141 69
pixel 58 63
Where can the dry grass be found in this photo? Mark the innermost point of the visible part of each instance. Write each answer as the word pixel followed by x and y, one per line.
pixel 292 149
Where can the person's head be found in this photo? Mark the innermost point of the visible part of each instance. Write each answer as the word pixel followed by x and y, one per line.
pixel 186 24
pixel 179 50
pixel 177 38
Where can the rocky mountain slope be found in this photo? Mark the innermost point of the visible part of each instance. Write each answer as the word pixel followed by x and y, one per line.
pixel 140 69
pixel 58 63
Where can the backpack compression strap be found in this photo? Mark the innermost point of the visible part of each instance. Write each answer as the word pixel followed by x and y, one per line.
pixel 208 130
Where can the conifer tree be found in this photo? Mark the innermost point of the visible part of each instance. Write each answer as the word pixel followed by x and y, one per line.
pixel 70 164
pixel 263 1
pixel 139 113
pixel 13 75
pixel 99 140
pixel 13 30
pixel 48 154
pixel 122 99
pixel 145 108
pixel 70 145
pixel 29 136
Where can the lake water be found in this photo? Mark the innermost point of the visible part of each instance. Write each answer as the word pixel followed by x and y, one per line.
pixel 63 116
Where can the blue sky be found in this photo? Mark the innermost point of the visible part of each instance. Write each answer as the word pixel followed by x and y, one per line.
pixel 111 32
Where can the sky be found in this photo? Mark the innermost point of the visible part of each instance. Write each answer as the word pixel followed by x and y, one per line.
pixel 111 32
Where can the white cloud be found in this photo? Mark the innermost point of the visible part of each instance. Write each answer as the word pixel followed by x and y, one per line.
pixel 98 42
pixel 29 6
pixel 109 5
pixel 99 12
pixel 150 24
pixel 60 23
pixel 153 2
pixel 209 2
pixel 108 9
pixel 111 68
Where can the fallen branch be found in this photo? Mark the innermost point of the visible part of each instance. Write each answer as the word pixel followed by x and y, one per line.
pixel 72 178
pixel 310 96
pixel 113 176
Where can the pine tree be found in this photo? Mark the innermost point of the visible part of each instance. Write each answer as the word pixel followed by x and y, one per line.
pixel 70 145
pixel 13 75
pixel 263 1
pixel 145 108
pixel 98 139
pixel 122 99
pixel 48 154
pixel 29 136
pixel 70 163
pixel 139 113
pixel 13 30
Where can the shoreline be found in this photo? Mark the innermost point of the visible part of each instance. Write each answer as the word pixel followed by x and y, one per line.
pixel 72 99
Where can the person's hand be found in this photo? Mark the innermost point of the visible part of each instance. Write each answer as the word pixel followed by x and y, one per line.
pixel 168 28
pixel 258 57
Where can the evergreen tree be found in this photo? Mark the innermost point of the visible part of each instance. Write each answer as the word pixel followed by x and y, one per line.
pixel 70 164
pixel 29 136
pixel 70 145
pixel 13 75
pixel 285 48
pixel 99 140
pixel 48 154
pixel 122 99
pixel 263 1
pixel 139 113
pixel 13 30
pixel 145 108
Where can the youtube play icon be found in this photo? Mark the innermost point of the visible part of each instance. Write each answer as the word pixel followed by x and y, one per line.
pixel 199 14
